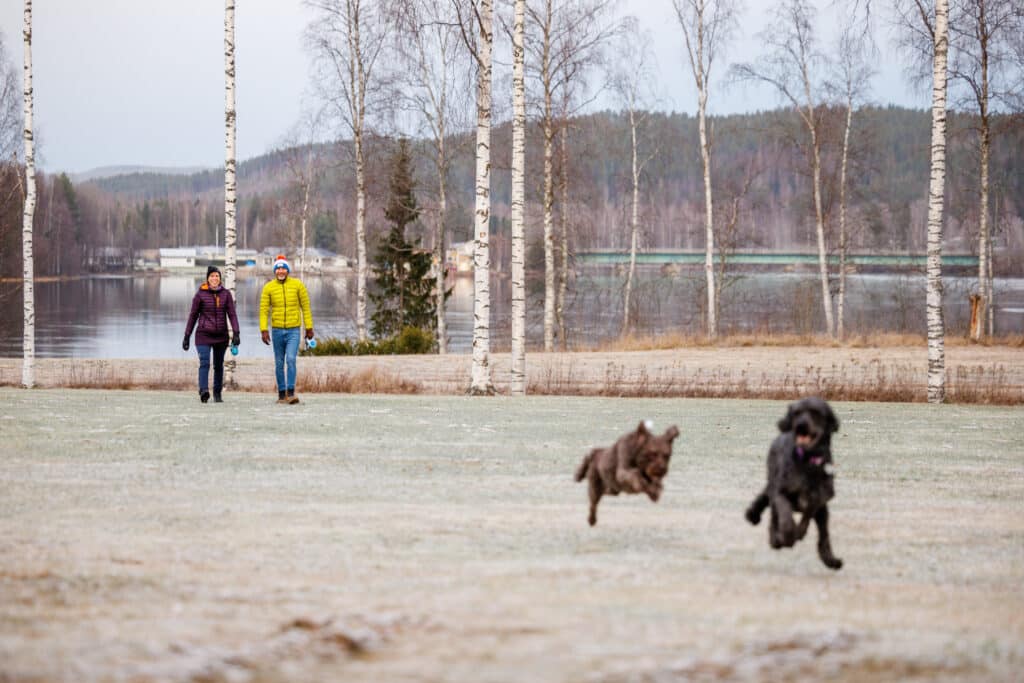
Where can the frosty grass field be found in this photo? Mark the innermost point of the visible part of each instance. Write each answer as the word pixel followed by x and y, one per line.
pixel 147 537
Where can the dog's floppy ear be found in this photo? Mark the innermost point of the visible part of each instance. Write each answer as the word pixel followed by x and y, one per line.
pixel 671 433
pixel 786 423
pixel 833 421
pixel 643 432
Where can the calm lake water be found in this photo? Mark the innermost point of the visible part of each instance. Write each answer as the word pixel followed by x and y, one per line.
pixel 144 316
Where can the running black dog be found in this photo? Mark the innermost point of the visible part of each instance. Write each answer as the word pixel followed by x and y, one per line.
pixel 800 477
pixel 636 463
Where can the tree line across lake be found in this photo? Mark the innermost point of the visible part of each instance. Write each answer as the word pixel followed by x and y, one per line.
pixel 773 210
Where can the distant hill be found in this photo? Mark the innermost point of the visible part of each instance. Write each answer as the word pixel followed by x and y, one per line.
pixel 111 171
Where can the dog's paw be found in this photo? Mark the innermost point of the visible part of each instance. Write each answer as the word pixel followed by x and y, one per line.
pixel 833 563
pixel 753 516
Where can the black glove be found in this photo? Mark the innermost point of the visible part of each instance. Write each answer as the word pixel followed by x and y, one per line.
pixel 236 340
pixel 184 343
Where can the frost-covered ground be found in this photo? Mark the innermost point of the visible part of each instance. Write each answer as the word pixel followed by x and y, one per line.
pixel 147 537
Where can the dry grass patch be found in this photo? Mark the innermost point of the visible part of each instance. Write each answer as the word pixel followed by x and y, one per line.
pixel 369 381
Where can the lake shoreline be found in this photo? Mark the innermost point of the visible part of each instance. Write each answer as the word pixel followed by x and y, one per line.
pixel 976 374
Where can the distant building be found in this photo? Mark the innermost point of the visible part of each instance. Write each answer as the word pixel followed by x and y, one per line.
pixel 201 257
pixel 317 261
pixel 108 259
pixel 178 257
pixel 459 258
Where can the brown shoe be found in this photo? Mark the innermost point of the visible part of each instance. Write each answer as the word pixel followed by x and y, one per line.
pixel 283 401
pixel 292 400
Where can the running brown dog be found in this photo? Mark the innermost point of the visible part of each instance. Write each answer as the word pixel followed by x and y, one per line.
pixel 636 463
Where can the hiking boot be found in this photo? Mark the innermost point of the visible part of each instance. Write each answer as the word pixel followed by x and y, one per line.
pixel 204 396
pixel 281 398
pixel 217 398
pixel 292 398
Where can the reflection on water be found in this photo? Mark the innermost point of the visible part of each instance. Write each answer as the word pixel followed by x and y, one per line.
pixel 144 317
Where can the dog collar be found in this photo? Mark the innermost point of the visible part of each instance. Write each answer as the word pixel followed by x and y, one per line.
pixel 814 460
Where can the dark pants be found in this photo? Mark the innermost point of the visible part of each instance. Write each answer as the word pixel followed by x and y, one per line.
pixel 218 366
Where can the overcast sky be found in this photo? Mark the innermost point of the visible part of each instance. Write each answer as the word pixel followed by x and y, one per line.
pixel 141 82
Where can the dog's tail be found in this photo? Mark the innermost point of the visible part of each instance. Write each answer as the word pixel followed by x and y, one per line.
pixel 581 471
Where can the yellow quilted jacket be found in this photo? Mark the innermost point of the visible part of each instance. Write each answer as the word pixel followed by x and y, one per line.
pixel 282 304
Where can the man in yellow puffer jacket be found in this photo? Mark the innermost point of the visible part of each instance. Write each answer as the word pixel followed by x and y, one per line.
pixel 284 306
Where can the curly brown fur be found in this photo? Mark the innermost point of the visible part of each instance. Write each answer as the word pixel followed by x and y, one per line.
pixel 800 478
pixel 636 463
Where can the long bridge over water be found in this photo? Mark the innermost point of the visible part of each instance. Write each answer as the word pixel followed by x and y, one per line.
pixel 773 259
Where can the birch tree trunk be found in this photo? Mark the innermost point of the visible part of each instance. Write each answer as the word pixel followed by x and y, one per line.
pixel 936 196
pixel 518 382
pixel 304 213
pixel 563 252
pixel 547 124
pixel 707 26
pixel 230 187
pixel 28 368
pixel 358 90
pixel 709 223
pixel 439 256
pixel 481 383
pixel 983 229
pixel 841 303
pixel 819 218
pixel 634 229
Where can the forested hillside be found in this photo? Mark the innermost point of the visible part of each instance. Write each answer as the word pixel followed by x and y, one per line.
pixel 760 174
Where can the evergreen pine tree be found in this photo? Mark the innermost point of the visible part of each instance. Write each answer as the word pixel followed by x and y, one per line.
pixel 402 270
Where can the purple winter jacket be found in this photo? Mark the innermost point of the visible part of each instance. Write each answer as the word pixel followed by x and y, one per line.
pixel 209 308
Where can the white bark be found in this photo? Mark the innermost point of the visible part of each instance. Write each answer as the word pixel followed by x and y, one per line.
pixel 707 25
pixel 230 187
pixel 481 383
pixel 28 368
pixel 709 222
pixel 437 87
pixel 936 196
pixel 563 251
pixel 304 213
pixel 358 89
pixel 439 252
pixel 841 302
pixel 518 381
pixel 787 69
pixel 547 123
pixel 634 230
pixel 349 35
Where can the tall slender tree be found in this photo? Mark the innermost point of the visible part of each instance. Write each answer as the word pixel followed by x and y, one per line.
pixel 28 368
pixel 518 381
pixel 707 26
pixel 476 21
pixel 936 197
pixel 567 36
pixel 790 68
pixel 437 92
pixel 980 33
pixel 348 37
pixel 853 77
pixel 924 38
pixel 631 82
pixel 230 186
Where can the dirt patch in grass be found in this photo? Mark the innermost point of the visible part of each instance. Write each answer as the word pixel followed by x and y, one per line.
pixel 145 536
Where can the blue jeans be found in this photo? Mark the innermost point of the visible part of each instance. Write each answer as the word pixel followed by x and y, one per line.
pixel 204 366
pixel 286 348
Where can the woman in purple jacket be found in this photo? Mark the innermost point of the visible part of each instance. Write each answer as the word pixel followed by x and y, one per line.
pixel 212 306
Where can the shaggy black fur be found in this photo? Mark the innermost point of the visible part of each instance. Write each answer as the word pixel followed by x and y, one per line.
pixel 800 477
